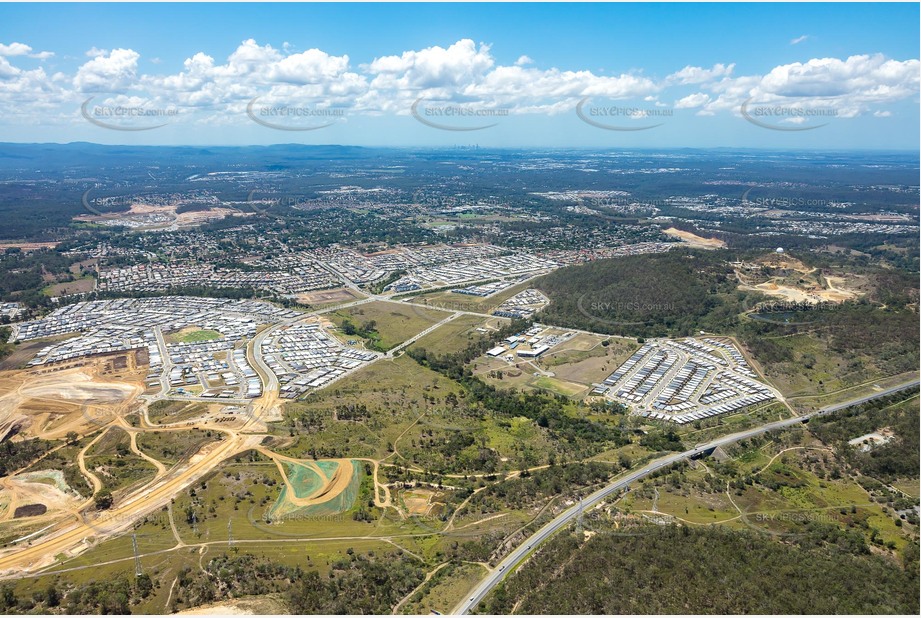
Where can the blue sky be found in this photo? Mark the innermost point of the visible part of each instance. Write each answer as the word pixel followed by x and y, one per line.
pixel 740 75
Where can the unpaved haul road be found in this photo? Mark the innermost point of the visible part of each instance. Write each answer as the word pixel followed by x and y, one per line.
pixel 150 498
pixel 69 537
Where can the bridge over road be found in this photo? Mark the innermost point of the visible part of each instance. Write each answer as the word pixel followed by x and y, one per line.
pixel 513 559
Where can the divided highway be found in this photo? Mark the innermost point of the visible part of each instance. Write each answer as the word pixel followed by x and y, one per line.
pixel 563 519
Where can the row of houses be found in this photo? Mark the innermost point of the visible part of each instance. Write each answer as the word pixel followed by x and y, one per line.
pixel 305 357
pixel 684 380
pixel 126 324
pixel 458 272
pixel 153 277
pixel 522 305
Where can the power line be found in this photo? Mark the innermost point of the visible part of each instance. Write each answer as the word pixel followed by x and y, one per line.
pixel 579 518
pixel 137 558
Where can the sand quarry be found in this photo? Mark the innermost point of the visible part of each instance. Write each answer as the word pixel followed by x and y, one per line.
pixel 796 283
pixel 183 219
pixel 45 403
pixel 694 240
pixel 35 499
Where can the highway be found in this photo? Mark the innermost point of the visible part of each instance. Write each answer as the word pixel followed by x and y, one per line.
pixel 515 557
pixel 71 535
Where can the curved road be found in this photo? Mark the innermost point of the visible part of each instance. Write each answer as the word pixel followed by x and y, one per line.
pixel 521 552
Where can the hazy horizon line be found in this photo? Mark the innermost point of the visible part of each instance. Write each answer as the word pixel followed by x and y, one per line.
pixel 473 147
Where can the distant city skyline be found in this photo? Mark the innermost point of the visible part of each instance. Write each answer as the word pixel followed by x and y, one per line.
pixel 786 76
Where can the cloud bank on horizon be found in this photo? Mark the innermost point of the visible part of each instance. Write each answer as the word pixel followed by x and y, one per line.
pixel 207 91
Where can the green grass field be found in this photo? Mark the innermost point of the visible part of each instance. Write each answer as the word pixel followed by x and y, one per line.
pixel 817 375
pixel 560 387
pixel 394 322
pixel 170 447
pixel 909 486
pixel 200 335
pixel 793 492
pixel 192 334
pixel 396 393
pixel 456 334
pixel 168 411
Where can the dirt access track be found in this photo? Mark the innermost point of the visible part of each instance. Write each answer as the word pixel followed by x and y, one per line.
pixel 813 286
pixel 71 538
pixel 85 397
pixel 331 487
pixel 96 394
pixel 89 396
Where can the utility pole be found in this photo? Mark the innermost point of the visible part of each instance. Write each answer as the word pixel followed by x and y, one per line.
pixel 137 558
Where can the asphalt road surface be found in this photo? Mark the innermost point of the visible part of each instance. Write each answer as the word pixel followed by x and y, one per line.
pixel 508 564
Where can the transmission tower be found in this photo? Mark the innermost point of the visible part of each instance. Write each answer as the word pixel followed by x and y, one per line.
pixel 137 558
pixel 229 532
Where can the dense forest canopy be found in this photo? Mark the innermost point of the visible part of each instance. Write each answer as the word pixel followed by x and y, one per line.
pixel 670 293
pixel 677 570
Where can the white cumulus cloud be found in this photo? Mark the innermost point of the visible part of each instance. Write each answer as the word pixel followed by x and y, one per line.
pixel 108 72
pixel 699 75
pixel 14 49
pixel 21 49
pixel 698 99
pixel 464 72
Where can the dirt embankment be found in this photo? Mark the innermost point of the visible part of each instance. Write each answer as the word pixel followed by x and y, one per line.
pixel 694 240
pixel 785 277
pixel 252 606
pixel 49 404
